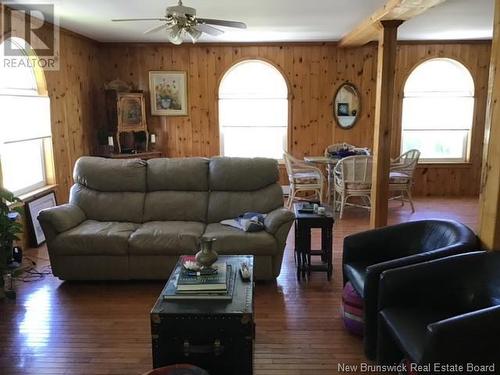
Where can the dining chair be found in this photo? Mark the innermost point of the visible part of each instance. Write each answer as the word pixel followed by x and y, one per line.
pixel 401 176
pixel 352 178
pixel 302 177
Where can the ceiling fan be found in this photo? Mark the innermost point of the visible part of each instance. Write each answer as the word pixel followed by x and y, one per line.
pixel 180 20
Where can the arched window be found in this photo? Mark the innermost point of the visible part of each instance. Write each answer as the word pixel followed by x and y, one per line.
pixel 253 111
pixel 438 109
pixel 25 134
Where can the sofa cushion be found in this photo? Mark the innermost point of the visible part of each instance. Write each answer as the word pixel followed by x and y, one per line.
pixel 112 175
pixel 176 206
pixel 94 238
pixel 242 174
pixel 234 241
pixel 183 174
pixel 108 206
pixel 166 238
pixel 224 205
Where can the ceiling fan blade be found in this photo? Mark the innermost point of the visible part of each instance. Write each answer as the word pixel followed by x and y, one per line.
pixel 210 30
pixel 156 28
pixel 239 25
pixel 138 19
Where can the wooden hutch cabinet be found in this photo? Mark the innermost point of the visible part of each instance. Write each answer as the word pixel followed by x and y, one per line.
pixel 126 113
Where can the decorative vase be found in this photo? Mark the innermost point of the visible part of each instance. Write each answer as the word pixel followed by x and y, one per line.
pixel 165 102
pixel 206 256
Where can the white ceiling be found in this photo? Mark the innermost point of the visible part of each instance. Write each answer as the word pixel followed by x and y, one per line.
pixel 454 19
pixel 272 20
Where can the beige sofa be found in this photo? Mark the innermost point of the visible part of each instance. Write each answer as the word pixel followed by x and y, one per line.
pixel 131 219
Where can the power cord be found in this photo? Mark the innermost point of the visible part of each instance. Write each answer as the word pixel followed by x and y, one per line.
pixel 32 273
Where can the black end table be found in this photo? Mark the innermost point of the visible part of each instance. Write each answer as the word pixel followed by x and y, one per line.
pixel 304 222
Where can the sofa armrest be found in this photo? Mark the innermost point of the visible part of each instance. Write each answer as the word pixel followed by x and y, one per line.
pixel 276 218
pixel 61 218
pixel 471 337
pixel 407 284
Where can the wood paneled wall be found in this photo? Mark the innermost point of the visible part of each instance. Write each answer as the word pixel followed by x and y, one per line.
pixel 313 72
pixel 73 91
pixel 446 179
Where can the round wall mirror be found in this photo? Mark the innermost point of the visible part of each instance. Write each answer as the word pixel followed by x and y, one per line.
pixel 347 106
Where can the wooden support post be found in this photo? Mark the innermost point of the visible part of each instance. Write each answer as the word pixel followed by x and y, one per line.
pixel 489 200
pixel 383 122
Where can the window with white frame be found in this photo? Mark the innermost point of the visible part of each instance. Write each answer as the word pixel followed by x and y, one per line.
pixel 24 124
pixel 438 109
pixel 253 111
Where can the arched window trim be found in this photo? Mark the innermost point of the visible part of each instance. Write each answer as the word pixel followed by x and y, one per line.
pixel 466 94
pixel 39 140
pixel 277 69
pixel 28 51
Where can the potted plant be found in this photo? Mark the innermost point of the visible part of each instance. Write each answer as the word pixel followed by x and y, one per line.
pixel 9 230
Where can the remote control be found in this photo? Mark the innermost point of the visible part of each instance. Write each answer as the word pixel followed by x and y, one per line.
pixel 245 272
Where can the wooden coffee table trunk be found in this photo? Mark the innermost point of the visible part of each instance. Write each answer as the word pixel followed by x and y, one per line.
pixel 217 336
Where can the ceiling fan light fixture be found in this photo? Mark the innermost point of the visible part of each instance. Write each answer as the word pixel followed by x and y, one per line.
pixel 194 33
pixel 174 34
pixel 181 22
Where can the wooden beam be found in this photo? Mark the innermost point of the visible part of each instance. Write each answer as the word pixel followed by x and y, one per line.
pixel 489 200
pixel 384 108
pixel 368 30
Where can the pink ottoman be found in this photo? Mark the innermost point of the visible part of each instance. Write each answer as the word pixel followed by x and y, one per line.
pixel 352 310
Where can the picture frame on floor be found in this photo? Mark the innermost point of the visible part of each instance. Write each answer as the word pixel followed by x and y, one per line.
pixel 33 208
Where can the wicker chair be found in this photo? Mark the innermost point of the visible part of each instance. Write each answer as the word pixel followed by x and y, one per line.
pixel 335 148
pixel 352 178
pixel 302 177
pixel 401 176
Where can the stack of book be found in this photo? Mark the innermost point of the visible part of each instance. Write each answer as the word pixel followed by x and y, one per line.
pixel 217 283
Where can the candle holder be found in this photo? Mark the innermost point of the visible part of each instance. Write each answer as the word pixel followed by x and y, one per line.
pixel 111 144
pixel 152 140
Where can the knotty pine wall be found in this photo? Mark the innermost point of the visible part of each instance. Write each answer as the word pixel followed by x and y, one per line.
pixel 73 92
pixel 313 71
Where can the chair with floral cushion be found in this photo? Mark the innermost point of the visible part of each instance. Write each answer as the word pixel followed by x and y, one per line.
pixel 401 176
pixel 352 178
pixel 302 177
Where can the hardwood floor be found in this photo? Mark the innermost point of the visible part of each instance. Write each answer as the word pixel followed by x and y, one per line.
pixel 58 327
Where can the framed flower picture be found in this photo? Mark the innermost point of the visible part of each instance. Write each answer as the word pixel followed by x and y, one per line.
pixel 168 93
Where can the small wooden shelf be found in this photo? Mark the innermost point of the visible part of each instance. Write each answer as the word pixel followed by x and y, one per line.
pixel 138 155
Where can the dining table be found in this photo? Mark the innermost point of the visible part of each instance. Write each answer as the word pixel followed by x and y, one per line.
pixel 328 163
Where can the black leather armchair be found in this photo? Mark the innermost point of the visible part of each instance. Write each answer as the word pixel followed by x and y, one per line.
pixel 445 311
pixel 366 255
